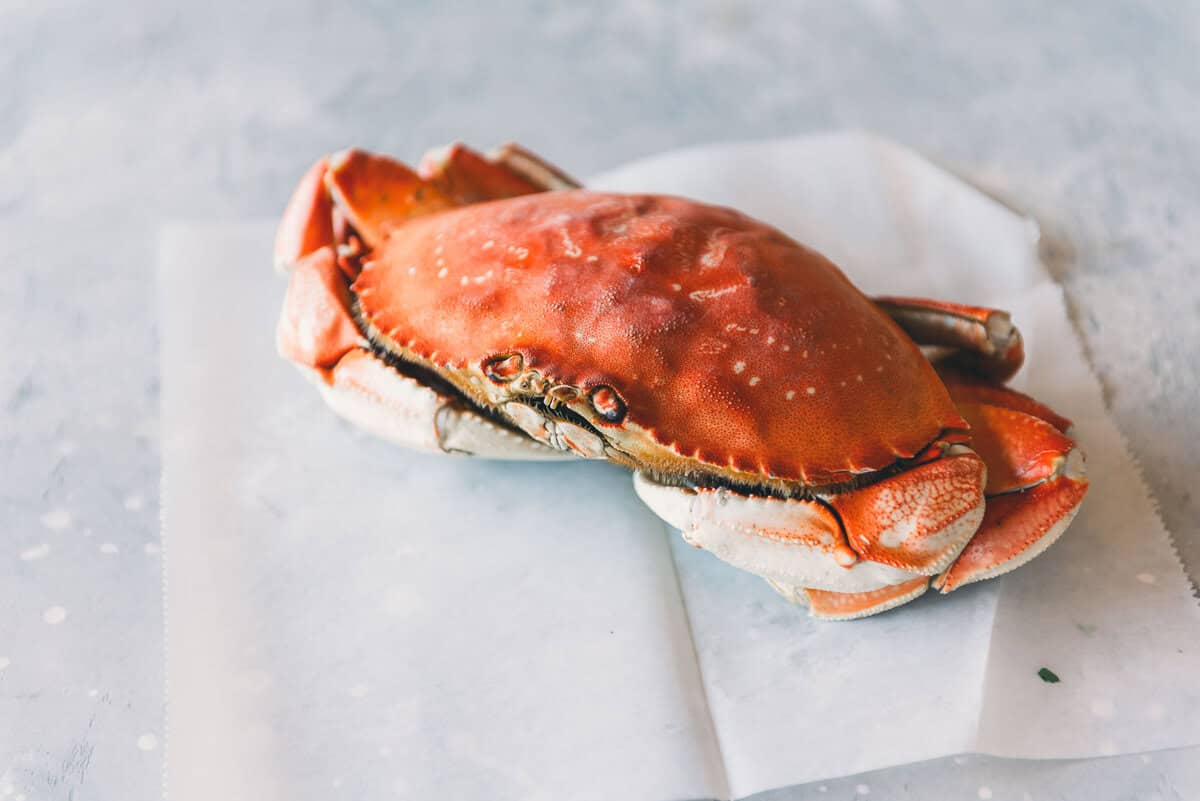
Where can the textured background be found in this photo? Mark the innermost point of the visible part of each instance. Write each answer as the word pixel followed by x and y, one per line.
pixel 117 116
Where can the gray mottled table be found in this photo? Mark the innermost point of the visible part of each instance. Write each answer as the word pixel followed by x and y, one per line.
pixel 117 116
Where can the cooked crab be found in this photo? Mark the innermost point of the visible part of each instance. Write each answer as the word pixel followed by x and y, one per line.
pixel 781 419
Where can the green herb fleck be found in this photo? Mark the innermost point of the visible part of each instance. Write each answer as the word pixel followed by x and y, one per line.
pixel 1049 676
pixel 1087 628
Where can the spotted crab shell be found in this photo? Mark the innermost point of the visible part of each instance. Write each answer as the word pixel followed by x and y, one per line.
pixel 692 338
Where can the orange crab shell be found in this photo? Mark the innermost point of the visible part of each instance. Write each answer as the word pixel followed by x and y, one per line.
pixel 682 331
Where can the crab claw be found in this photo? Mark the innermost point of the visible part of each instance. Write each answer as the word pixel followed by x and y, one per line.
pixel 1020 450
pixel 791 542
pixel 879 542
pixel 1019 526
pixel 917 520
pixel 1036 482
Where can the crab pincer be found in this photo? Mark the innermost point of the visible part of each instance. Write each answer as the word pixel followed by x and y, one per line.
pixel 781 419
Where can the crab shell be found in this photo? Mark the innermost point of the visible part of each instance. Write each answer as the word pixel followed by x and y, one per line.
pixel 691 340
pixel 778 416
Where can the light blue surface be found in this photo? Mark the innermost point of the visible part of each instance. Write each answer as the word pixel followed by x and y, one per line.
pixel 117 117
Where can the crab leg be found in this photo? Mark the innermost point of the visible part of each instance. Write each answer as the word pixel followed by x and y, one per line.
pixel 373 193
pixel 981 340
pixel 508 171
pixel 307 222
pixel 825 605
pixel 341 205
pixel 966 387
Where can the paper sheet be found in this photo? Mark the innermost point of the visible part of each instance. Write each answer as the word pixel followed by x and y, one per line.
pixel 346 617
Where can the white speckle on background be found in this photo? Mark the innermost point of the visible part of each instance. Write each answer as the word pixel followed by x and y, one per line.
pixel 54 615
pixel 109 548
pixel 1146 759
pixel 862 789
pixel 56 519
pixel 359 691
pixel 822 789
pixel 985 792
pixel 1156 712
pixel 4 662
pixel 1146 578
pixel 147 742
pixel 66 447
pixel 960 760
pixel 134 502
pixel 385 750
pixel 1103 708
pixel 92 693
pixel 152 548
pixel 35 553
pixel 19 797
pixel 336 782
pixel 1108 748
pixel 87 532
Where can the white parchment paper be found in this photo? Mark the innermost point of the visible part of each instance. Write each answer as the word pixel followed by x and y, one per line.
pixel 348 618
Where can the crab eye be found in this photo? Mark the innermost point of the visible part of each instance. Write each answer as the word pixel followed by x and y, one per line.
pixel 608 404
pixel 502 369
